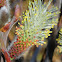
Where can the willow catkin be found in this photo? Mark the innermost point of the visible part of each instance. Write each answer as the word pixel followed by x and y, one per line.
pixel 3 16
